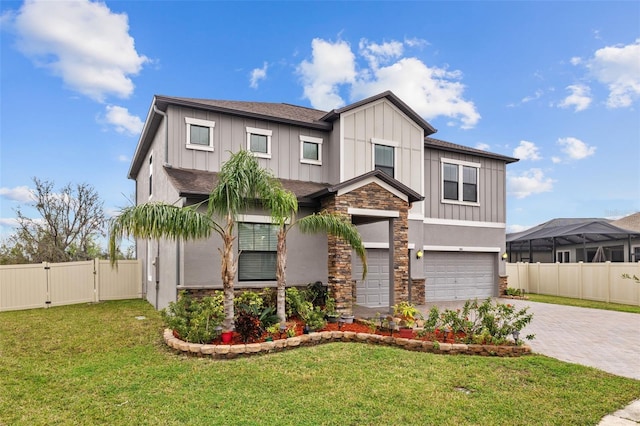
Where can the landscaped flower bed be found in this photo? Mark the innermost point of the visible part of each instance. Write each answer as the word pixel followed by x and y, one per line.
pixel 227 351
pixel 481 328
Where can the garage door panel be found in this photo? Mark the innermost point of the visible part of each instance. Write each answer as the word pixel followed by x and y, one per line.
pixel 459 276
pixel 374 290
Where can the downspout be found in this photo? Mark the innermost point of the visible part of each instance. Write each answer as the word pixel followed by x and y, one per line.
pixel 166 135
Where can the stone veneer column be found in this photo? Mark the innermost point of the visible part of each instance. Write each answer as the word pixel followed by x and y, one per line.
pixel 371 196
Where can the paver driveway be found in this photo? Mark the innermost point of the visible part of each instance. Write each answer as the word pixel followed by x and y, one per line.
pixel 606 340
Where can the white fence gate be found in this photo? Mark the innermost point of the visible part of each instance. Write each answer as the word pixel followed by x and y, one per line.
pixel 55 284
pixel 593 281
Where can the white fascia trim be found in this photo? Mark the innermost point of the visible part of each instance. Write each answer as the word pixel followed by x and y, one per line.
pixel 341 144
pixel 460 162
pixel 473 224
pixel 256 218
pixel 464 248
pixel 371 245
pixel 373 212
pixel 367 181
pixel 412 246
pixel 415 216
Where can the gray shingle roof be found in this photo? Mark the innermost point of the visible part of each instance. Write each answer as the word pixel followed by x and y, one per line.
pixel 454 147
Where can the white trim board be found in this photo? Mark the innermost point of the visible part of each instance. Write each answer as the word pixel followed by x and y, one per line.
pixel 464 249
pixel 373 212
pixel 454 222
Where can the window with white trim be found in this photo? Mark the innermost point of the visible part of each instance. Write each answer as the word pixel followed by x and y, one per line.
pixel 310 150
pixel 257 243
pixel 259 142
pixel 384 155
pixel 562 256
pixel 199 133
pixel 460 182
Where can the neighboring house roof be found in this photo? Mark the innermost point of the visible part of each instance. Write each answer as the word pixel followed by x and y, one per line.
pixel 199 184
pixel 568 232
pixel 631 222
pixel 453 147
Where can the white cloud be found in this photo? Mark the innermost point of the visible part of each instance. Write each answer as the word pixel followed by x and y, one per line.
pixel 618 67
pixel 123 158
pixel 527 151
pixel 575 148
pixel 123 121
pixel 556 160
pixel 530 182
pixel 8 222
pixel 483 146
pixel 535 96
pixel 83 42
pixel 258 74
pixel 430 91
pixel 576 60
pixel 511 229
pixel 377 54
pixel 580 97
pixel 332 64
pixel 21 194
pixel 416 42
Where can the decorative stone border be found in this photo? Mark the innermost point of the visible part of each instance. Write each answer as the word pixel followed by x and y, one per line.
pixel 311 339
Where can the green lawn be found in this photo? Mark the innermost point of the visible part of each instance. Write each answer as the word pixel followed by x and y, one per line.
pixel 557 300
pixel 98 364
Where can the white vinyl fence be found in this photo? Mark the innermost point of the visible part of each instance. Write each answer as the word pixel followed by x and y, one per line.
pixel 54 284
pixel 593 281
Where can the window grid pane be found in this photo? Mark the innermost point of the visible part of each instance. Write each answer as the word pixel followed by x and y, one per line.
pixel 450 172
pixel 258 244
pixel 310 151
pixel 258 143
pixel 384 159
pixel 199 135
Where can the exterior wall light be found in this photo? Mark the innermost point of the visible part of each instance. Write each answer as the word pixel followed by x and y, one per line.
pixel 505 256
pixel 419 254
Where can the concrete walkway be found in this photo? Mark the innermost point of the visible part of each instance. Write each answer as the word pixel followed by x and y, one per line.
pixel 606 340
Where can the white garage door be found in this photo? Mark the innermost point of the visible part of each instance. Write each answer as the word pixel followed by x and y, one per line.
pixel 374 291
pixel 459 276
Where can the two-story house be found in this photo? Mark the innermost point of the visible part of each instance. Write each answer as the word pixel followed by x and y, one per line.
pixel 431 213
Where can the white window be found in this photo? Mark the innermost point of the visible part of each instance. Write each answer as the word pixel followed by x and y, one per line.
pixel 460 182
pixel 310 150
pixel 259 142
pixel 562 256
pixel 199 134
pixel 257 243
pixel 150 175
pixel 384 155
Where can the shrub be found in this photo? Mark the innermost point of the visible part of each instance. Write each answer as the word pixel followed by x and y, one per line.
pixel 195 320
pixel 247 323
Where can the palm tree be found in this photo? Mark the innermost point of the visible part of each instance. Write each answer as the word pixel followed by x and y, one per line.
pixel 241 183
pixel 283 206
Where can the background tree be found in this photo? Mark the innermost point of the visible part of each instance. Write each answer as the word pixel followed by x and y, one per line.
pixel 70 222
pixel 283 206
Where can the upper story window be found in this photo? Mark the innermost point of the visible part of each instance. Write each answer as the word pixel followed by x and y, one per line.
pixel 384 155
pixel 259 142
pixel 310 150
pixel 460 182
pixel 199 133
pixel 257 243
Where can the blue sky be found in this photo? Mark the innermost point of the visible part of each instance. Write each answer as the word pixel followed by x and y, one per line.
pixel 556 84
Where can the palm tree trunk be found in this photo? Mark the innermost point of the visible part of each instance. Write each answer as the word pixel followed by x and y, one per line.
pixel 281 262
pixel 228 273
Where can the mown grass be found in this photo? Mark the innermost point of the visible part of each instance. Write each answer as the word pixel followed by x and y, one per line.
pixel 98 364
pixel 557 300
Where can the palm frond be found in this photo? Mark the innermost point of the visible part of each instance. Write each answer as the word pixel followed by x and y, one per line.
pixel 339 226
pixel 157 220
